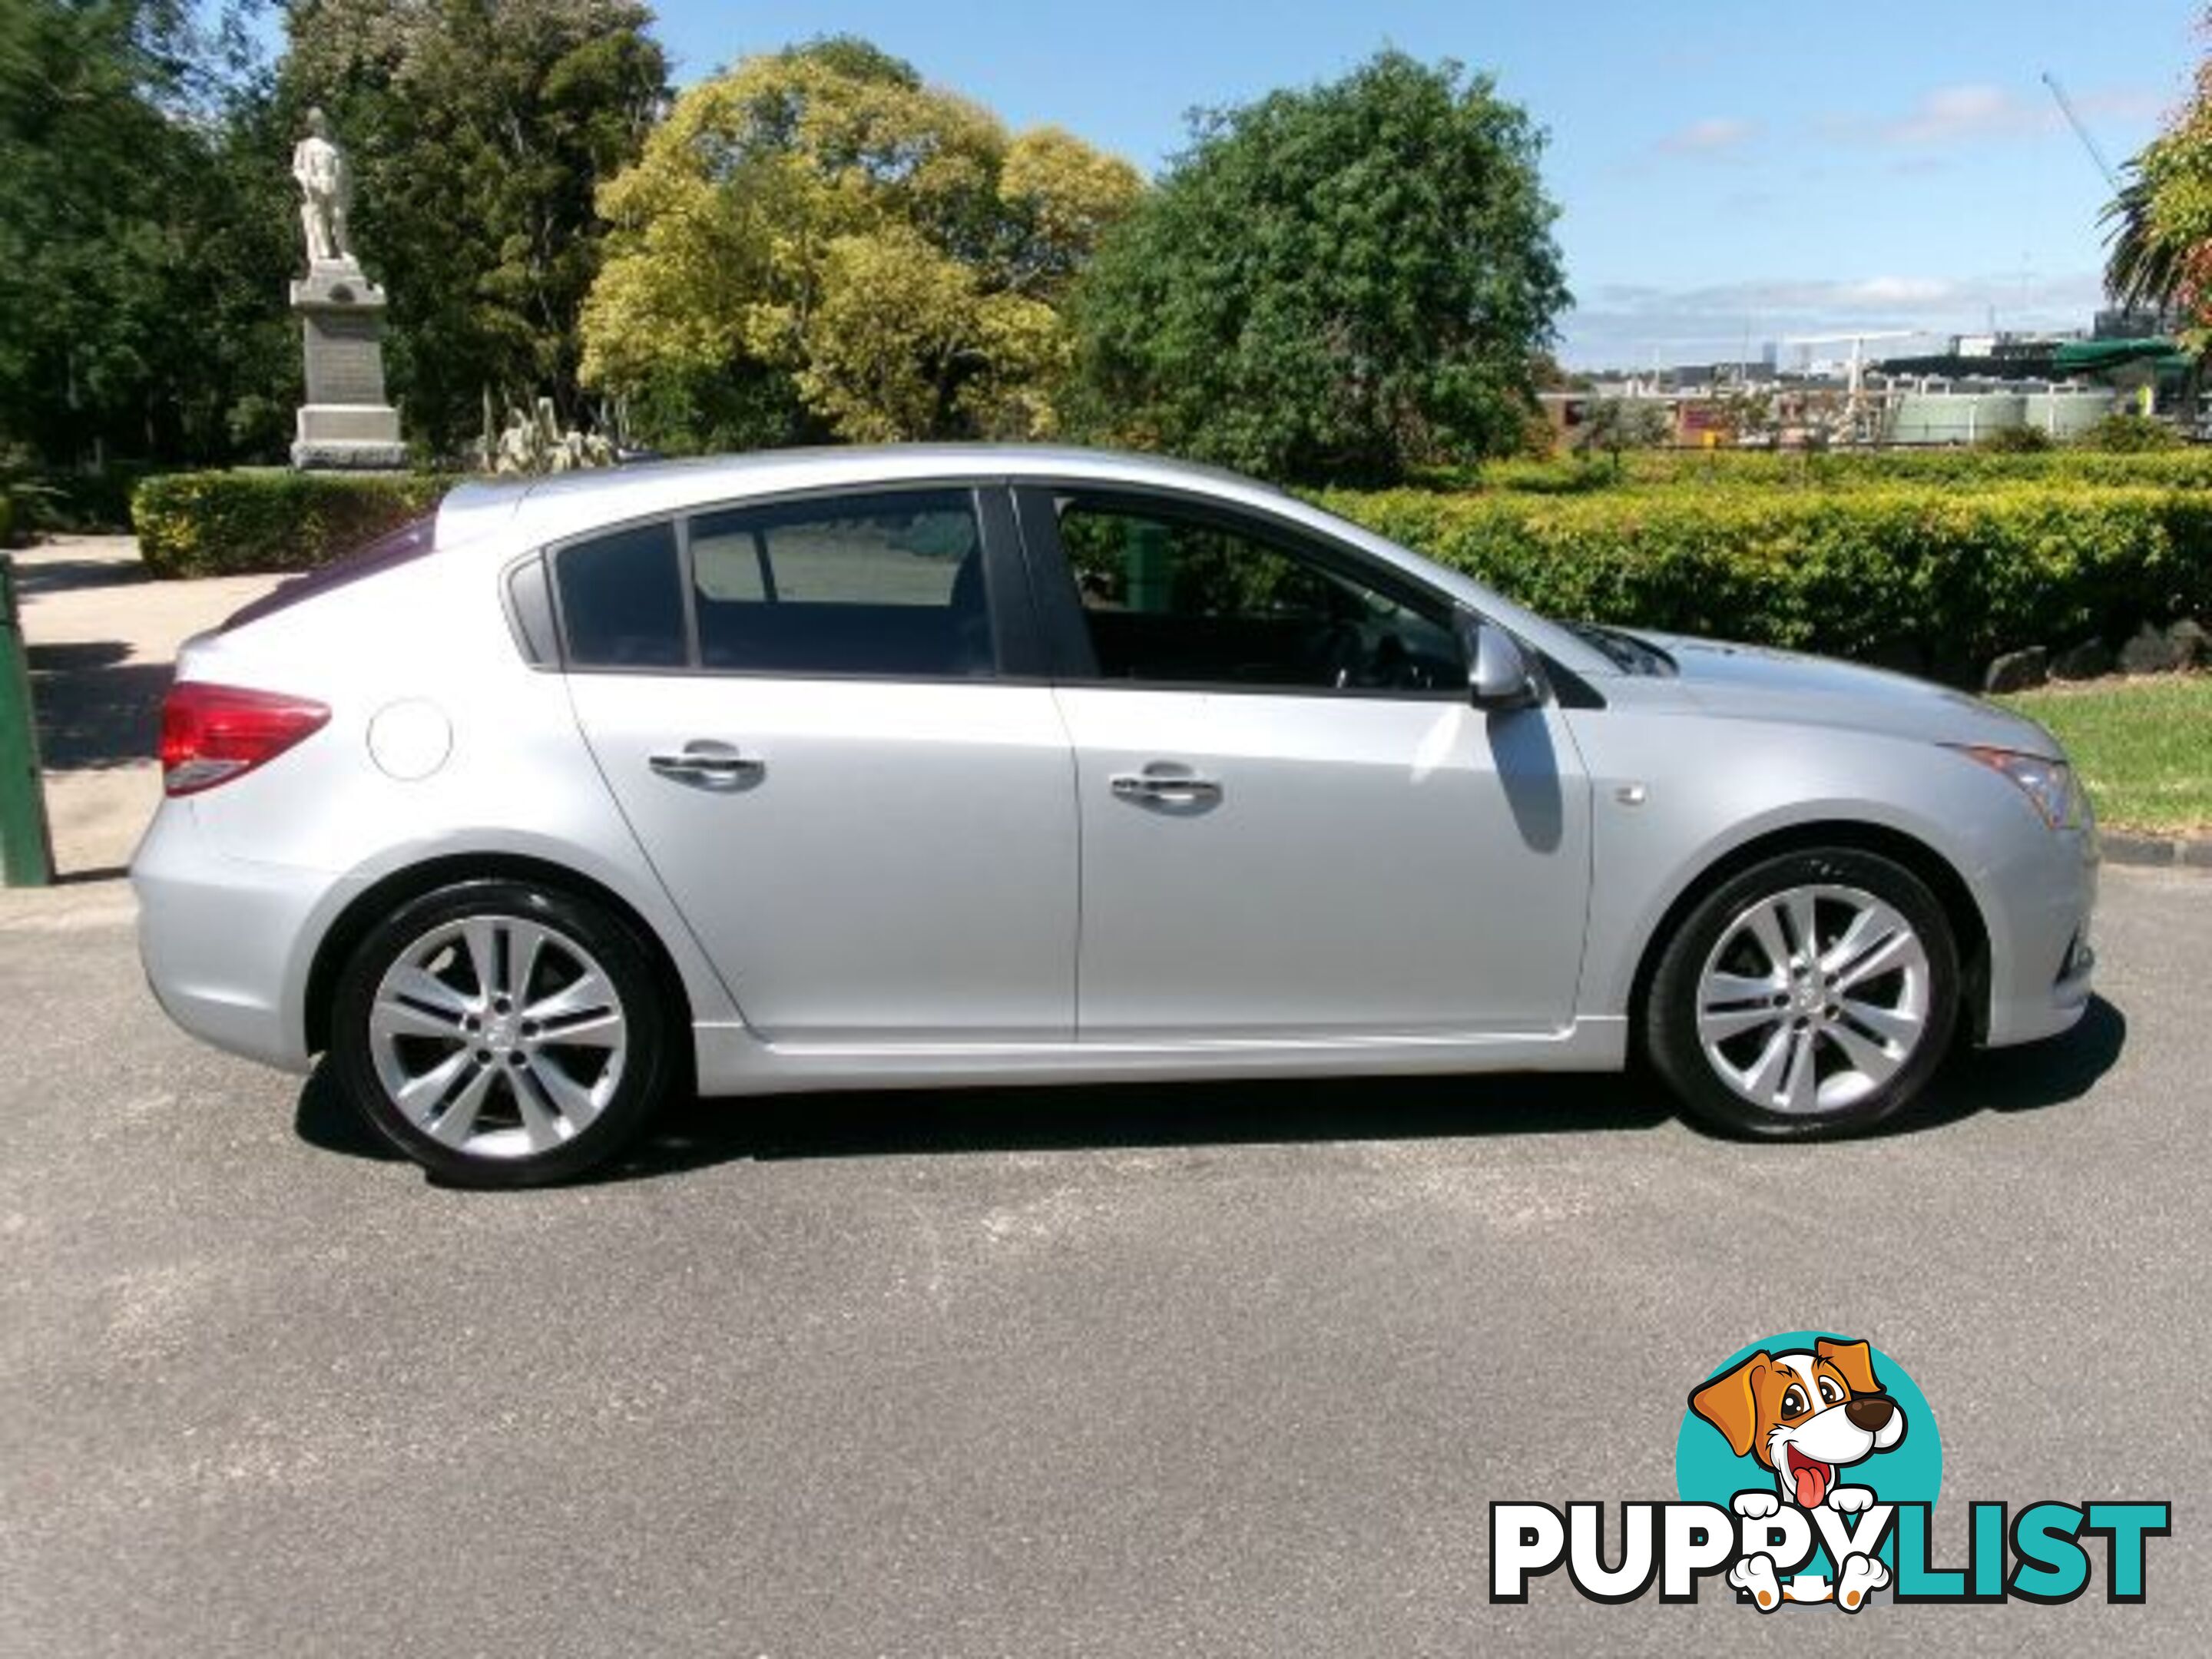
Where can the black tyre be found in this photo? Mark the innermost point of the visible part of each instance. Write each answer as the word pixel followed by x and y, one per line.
pixel 1813 994
pixel 503 1033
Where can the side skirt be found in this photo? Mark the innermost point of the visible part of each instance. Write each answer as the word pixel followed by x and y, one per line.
pixel 731 1061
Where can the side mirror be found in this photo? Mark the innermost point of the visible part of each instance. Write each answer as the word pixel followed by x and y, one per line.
pixel 1499 675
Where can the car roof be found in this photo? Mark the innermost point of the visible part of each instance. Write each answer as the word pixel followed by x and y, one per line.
pixel 508 516
pixel 532 511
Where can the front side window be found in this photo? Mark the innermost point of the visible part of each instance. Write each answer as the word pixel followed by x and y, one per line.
pixel 888 584
pixel 1192 599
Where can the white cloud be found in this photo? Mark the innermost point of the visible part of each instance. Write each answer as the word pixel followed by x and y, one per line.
pixel 1951 115
pixel 1714 135
pixel 1973 113
pixel 1880 293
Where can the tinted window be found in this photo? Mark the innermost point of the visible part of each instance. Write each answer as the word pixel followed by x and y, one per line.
pixel 884 584
pixel 1197 600
pixel 622 600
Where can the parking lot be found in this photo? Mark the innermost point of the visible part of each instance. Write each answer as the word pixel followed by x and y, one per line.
pixel 1193 1370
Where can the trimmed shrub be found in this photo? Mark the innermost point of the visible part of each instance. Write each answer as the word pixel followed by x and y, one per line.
pixel 1932 580
pixel 223 524
pixel 2183 468
pixel 2015 441
pixel 2131 435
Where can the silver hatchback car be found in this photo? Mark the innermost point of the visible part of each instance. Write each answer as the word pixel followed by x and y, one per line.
pixel 931 766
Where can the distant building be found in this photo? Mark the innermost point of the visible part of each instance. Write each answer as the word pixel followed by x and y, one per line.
pixel 2133 323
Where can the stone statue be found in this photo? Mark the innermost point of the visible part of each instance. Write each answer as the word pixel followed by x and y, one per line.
pixel 326 183
pixel 345 423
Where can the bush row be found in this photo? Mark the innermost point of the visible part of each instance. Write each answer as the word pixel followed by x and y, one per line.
pixel 2177 469
pixel 1930 579
pixel 222 523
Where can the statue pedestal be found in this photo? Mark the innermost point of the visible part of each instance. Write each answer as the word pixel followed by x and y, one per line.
pixel 345 424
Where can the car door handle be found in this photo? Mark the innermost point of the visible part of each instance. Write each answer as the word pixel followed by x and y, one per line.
pixel 1167 789
pixel 709 763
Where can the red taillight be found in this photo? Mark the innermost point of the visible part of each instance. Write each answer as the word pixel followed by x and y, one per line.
pixel 213 733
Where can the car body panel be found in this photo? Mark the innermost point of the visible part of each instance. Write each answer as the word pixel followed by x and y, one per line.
pixel 1660 825
pixel 1372 866
pixel 903 863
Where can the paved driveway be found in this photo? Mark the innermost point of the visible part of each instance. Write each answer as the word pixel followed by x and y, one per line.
pixel 102 636
pixel 1206 1370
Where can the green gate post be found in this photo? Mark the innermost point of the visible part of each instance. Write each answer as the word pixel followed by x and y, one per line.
pixel 27 853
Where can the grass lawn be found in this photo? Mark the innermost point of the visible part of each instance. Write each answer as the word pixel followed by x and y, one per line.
pixel 2145 746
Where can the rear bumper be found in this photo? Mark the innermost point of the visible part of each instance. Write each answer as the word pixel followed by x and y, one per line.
pixel 222 940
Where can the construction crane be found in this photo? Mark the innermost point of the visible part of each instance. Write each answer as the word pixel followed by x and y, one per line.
pixel 1857 344
pixel 1857 417
pixel 2073 120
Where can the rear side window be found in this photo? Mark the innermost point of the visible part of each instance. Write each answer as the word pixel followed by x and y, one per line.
pixel 622 599
pixel 885 583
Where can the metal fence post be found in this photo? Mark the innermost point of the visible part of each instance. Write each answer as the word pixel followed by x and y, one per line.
pixel 27 852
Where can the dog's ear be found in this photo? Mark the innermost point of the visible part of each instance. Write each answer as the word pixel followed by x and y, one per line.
pixel 1727 1402
pixel 1853 1360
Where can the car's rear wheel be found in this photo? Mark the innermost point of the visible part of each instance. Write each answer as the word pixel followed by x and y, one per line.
pixel 502 1033
pixel 1814 993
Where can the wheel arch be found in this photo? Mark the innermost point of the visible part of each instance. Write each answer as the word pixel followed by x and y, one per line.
pixel 1969 928
pixel 383 896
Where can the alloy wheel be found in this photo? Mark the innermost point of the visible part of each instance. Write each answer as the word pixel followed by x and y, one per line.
pixel 497 1036
pixel 1813 998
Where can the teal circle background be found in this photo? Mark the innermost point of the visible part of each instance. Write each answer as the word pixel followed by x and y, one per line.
pixel 1707 1472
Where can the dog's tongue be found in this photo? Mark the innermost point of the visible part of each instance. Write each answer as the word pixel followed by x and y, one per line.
pixel 1812 1485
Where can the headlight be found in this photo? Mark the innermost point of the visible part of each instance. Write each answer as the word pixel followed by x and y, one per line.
pixel 2049 784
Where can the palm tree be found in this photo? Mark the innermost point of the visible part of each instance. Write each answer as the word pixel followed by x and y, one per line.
pixel 2143 268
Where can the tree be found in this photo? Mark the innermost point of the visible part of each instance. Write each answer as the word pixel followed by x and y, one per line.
pixel 815 241
pixel 2160 223
pixel 479 131
pixel 1617 424
pixel 1335 284
pixel 126 324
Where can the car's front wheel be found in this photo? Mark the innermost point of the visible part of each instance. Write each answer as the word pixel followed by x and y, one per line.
pixel 500 1033
pixel 1816 992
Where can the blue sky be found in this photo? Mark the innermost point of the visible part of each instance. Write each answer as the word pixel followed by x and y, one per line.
pixel 1725 169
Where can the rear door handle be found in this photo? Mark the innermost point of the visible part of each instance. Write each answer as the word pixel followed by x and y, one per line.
pixel 709 763
pixel 1166 789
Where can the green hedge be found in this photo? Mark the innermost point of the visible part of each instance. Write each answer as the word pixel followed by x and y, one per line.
pixel 222 523
pixel 1933 580
pixel 2177 469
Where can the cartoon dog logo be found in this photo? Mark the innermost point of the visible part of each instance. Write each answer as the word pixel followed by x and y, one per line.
pixel 1805 1415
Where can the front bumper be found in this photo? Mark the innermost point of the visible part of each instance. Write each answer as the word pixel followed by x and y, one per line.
pixel 223 940
pixel 2041 962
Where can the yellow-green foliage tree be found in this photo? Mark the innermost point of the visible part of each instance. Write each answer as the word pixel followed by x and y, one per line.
pixel 2161 224
pixel 817 234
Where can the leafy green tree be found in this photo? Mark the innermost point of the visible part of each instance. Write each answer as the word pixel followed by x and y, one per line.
pixel 1615 425
pixel 818 243
pixel 1333 284
pixel 120 233
pixel 479 131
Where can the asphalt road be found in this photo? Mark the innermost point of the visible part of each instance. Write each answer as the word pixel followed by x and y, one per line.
pixel 1208 1371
